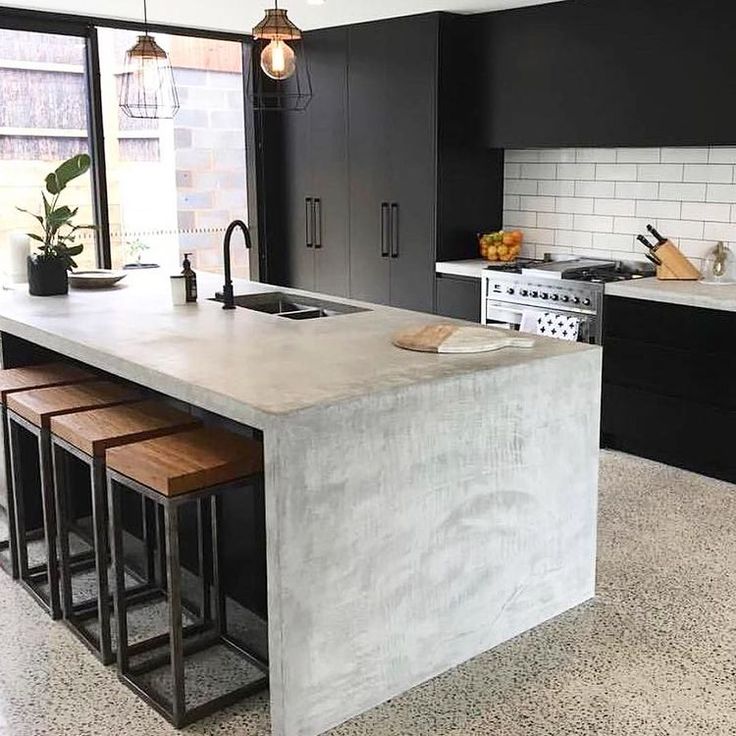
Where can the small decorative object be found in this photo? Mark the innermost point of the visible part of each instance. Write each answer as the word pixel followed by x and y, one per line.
pixel 720 267
pixel 47 269
pixel 178 290
pixel 95 279
pixel 502 245
pixel 148 89
pixel 190 279
pixel 278 74
pixel 16 258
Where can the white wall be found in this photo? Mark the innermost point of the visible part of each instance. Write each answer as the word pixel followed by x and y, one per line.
pixel 594 201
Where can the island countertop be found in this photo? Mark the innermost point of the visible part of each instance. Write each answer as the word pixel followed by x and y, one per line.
pixel 701 294
pixel 243 364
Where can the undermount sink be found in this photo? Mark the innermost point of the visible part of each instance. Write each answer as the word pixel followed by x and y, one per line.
pixel 290 306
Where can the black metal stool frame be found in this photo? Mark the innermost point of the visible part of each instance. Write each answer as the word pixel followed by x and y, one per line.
pixel 176 711
pixel 11 544
pixel 147 587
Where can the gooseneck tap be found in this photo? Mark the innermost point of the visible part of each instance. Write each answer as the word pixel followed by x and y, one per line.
pixel 228 300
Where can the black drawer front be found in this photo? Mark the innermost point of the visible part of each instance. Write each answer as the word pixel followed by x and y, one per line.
pixel 670 325
pixel 458 297
pixel 671 430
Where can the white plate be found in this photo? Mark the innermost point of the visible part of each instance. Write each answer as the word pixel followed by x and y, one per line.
pixel 96 279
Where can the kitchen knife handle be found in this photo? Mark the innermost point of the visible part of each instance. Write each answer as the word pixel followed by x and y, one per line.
pixel 654 259
pixel 660 239
pixel 385 227
pixel 645 242
pixel 394 230
pixel 317 222
pixel 308 212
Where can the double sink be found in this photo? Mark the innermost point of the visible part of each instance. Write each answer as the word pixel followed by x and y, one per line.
pixel 290 306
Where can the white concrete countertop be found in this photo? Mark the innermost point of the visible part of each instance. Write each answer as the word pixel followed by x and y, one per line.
pixel 688 293
pixel 472 268
pixel 242 364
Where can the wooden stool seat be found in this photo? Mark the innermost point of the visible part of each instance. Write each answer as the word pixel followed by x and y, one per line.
pixel 40 405
pixel 188 461
pixel 40 376
pixel 96 430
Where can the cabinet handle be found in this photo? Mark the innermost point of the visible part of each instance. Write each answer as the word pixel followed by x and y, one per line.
pixel 394 230
pixel 317 222
pixel 308 208
pixel 385 228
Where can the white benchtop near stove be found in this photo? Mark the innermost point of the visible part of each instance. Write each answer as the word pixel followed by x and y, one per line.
pixel 472 268
pixel 688 293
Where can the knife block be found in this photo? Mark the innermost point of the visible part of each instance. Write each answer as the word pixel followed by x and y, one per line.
pixel 675 266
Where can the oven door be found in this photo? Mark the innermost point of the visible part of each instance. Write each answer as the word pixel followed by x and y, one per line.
pixel 509 316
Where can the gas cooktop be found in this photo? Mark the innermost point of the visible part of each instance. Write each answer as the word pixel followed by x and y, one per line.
pixel 591 270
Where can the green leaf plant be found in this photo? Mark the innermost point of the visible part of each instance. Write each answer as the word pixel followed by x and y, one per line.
pixel 59 233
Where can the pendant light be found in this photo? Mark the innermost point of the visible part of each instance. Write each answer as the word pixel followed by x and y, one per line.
pixel 148 89
pixel 278 75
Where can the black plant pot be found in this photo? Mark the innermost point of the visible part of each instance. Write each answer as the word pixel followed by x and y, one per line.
pixel 47 276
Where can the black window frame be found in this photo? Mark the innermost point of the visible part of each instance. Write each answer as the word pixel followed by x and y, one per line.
pixel 65 24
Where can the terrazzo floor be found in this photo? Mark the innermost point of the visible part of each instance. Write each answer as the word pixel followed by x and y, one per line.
pixel 653 655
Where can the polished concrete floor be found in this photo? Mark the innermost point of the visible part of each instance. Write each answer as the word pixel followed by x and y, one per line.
pixel 653 655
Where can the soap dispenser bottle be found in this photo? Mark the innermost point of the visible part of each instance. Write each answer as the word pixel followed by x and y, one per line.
pixel 190 279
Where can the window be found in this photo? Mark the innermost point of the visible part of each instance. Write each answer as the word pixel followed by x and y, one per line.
pixel 43 121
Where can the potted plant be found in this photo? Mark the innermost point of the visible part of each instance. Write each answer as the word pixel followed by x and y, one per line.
pixel 47 269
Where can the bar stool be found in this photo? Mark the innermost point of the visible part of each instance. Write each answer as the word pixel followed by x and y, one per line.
pixel 23 379
pixel 174 471
pixel 87 435
pixel 32 411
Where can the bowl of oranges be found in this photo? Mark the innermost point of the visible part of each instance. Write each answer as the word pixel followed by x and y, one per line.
pixel 503 245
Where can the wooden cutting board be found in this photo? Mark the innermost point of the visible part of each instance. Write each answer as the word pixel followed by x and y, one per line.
pixel 445 338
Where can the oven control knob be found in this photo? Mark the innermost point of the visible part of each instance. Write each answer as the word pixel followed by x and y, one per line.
pixel 544 295
pixel 534 294
pixel 509 290
pixel 524 292
pixel 576 300
pixel 565 298
pixel 586 302
pixel 554 297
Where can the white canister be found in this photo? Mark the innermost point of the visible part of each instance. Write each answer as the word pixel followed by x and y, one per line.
pixel 178 290
pixel 16 257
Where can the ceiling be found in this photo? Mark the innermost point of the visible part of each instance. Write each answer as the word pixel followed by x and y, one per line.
pixel 239 15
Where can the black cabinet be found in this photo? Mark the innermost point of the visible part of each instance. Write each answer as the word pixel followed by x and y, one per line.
pixel 316 176
pixel 387 162
pixel 458 297
pixel 668 392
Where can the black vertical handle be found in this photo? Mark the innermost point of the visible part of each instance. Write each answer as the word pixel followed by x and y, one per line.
pixel 308 207
pixel 394 230
pixel 317 220
pixel 385 229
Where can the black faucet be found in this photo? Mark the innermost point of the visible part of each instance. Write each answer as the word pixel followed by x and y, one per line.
pixel 228 300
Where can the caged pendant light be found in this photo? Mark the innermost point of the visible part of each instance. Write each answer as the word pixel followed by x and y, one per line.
pixel 278 75
pixel 148 89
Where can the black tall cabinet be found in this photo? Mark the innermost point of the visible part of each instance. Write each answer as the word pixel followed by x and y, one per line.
pixel 385 173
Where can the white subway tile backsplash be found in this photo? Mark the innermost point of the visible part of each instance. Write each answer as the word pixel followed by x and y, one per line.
pixel 637 189
pixel 659 172
pixel 626 207
pixel 537 204
pixel 539 171
pixel 595 188
pixel 513 219
pixel 657 208
pixel 520 186
pixel 706 211
pixel 615 172
pixel 638 155
pixel 680 192
pixel 594 201
pixel 596 155
pixel 709 173
pixel 576 171
pixel 684 155
pixel 575 205
pixel 557 188
pixel 594 223
pixel 554 220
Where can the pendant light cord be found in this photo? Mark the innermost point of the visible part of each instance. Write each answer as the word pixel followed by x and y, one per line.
pixel 145 17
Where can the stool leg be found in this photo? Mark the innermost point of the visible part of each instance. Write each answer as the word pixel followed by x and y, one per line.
pixel 20 515
pixel 49 521
pixel 220 603
pixel 161 539
pixel 176 638
pixel 99 517
pixel 12 543
pixel 118 564
pixel 61 492
pixel 204 567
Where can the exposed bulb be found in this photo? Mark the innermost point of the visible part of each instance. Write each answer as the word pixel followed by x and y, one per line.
pixel 148 74
pixel 278 60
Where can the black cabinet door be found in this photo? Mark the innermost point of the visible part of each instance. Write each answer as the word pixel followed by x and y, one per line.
pixel 328 148
pixel 297 191
pixel 369 118
pixel 458 297
pixel 410 58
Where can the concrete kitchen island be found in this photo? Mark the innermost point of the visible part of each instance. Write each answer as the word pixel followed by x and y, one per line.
pixel 420 508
